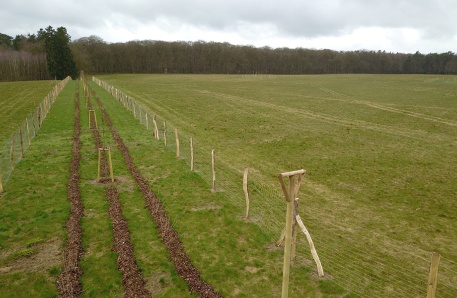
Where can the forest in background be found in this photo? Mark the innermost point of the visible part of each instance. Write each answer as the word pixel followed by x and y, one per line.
pixel 51 54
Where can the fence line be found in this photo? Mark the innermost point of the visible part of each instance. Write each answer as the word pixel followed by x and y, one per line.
pixel 13 149
pixel 351 262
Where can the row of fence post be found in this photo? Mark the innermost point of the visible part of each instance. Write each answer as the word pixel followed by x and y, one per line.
pixel 23 136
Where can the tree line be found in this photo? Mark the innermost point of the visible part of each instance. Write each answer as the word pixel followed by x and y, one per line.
pixel 40 56
pixel 24 57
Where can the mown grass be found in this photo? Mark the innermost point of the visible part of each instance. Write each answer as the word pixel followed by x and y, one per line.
pixel 34 208
pixel 17 101
pixel 378 149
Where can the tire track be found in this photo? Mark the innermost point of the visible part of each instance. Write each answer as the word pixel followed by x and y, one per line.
pixel 349 99
pixel 68 283
pixel 327 118
pixel 169 236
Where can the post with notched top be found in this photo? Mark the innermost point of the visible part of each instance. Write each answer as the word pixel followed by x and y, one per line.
pixel 289 194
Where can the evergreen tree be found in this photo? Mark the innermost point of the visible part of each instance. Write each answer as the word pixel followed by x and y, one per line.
pixel 59 56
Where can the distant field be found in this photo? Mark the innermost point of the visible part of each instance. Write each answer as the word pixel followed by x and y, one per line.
pixel 379 151
pixel 17 100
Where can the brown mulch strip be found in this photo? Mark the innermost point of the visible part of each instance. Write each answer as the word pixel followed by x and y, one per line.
pixel 68 283
pixel 181 260
pixel 131 276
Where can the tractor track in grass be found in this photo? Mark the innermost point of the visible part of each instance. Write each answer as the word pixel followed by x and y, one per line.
pixel 132 280
pixel 169 236
pixel 68 282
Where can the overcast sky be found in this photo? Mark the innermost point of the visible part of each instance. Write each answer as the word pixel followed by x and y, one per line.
pixel 406 26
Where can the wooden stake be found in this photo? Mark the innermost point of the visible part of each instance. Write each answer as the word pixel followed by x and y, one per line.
pixel 191 154
pixel 289 195
pixel 433 275
pixel 34 127
pixel 28 130
pixel 99 159
pixel 245 189
pixel 21 141
pixel 320 270
pixel 165 133
pixel 293 254
pixel 1 180
pixel 177 143
pixel 147 122
pixel 110 165
pixel 141 118
pixel 12 153
pixel 213 167
pixel 156 130
pixel 39 115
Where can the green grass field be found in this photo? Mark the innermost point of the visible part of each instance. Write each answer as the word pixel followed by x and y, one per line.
pixel 378 196
pixel 19 99
pixel 379 152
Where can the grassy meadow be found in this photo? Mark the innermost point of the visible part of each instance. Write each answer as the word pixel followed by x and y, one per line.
pixel 379 150
pixel 19 99
pixel 378 197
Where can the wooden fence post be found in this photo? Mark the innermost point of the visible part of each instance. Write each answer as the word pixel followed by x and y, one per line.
pixel 39 115
pixel 433 275
pixel 245 189
pixel 140 109
pixel 12 153
pixel 1 180
pixel 21 141
pixel 34 126
pixel 28 129
pixel 177 143
pixel 289 194
pixel 147 122
pixel 110 165
pixel 213 167
pixel 156 130
pixel 320 270
pixel 99 159
pixel 165 133
pixel 191 154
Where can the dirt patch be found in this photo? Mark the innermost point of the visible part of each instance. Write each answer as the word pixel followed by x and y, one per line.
pixel 206 207
pixel 46 255
pixel 251 269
